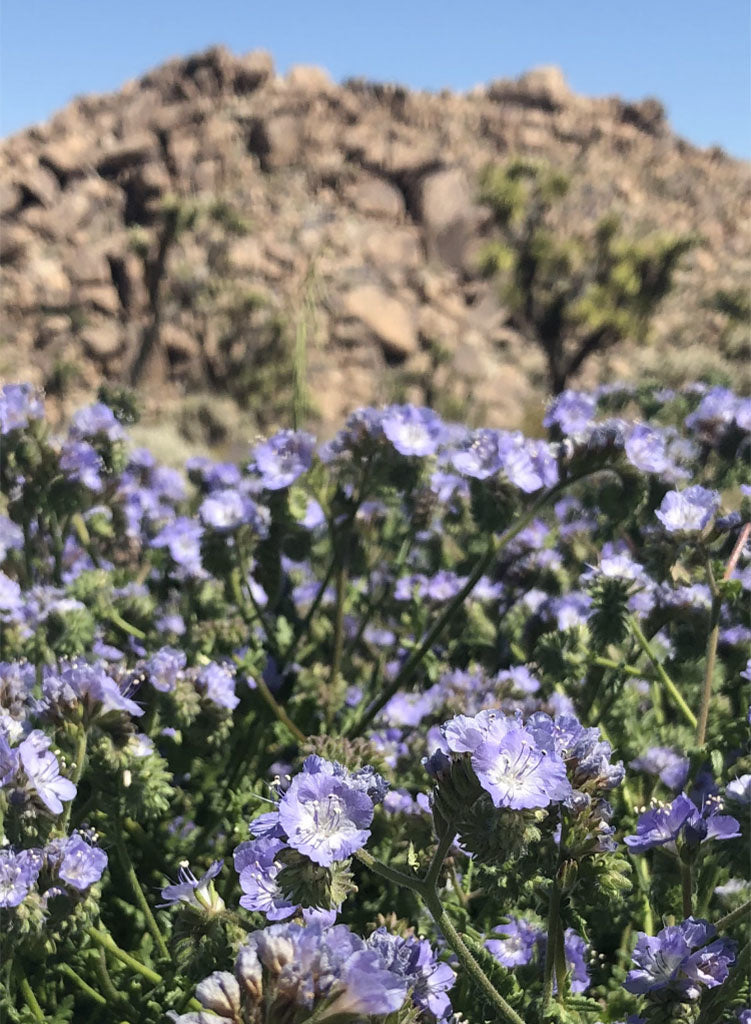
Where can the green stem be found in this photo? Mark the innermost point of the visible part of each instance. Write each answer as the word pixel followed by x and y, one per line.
pixel 135 885
pixel 711 657
pixel 303 629
pixel 687 890
pixel 554 925
pixel 468 962
pixel 31 1000
pixel 108 943
pixel 392 874
pixel 83 985
pixel 76 774
pixel 336 659
pixel 735 915
pixel 117 620
pixel 278 710
pixel 667 682
pixel 436 863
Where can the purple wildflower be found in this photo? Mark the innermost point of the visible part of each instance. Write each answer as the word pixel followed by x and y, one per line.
pixel 664 824
pixel 516 772
pixel 325 817
pixel 195 892
pixel 671 768
pixel 413 960
pixel 164 668
pixel 18 873
pixel 517 944
pixel 689 510
pixel 182 539
pixel 80 865
pixel 19 403
pixel 255 863
pixel 81 462
pixel 43 772
pixel 218 683
pixel 283 458
pixel 412 430
pixel 94 420
pixel 678 961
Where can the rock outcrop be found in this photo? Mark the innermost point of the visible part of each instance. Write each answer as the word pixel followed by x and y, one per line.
pixel 334 230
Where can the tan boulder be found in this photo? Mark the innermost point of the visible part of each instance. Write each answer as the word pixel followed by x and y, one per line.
pixel 375 197
pixel 103 339
pixel 386 319
pixel 309 78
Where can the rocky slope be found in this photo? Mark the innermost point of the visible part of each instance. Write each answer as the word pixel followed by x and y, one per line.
pixel 328 239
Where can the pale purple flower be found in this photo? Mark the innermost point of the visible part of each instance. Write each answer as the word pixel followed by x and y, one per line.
pixel 671 768
pixel 412 430
pixel 218 683
pixel 520 678
pixel 18 873
pixel 164 668
pixel 195 892
pixel 739 790
pixel 97 419
pixel 571 411
pixel 81 462
pixel 646 449
pixel 283 458
pixel 413 960
pixel 688 511
pixel 325 817
pixel 226 510
pixel 479 455
pixel 516 772
pixel 664 824
pixel 256 864
pixel 80 865
pixel 678 961
pixel 517 944
pixel 182 538
pixel 19 404
pixel 43 772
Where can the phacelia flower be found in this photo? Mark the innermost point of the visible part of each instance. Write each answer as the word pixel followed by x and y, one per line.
pixel 198 893
pixel 664 824
pixel 79 864
pixel 325 817
pixel 283 458
pixel 19 403
pixel 256 864
pixel 412 430
pixel 688 511
pixel 18 873
pixel 517 944
pixel 413 960
pixel 43 772
pixel 678 961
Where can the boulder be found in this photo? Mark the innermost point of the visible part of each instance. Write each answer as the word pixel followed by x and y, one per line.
pixel 277 141
pixel 252 70
pixel 388 320
pixel 103 339
pixel 375 197
pixel 309 78
pixel 448 214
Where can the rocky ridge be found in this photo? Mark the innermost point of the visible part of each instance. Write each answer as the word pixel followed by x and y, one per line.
pixel 333 233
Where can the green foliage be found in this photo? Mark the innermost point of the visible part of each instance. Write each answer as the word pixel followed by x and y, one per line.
pixel 573 295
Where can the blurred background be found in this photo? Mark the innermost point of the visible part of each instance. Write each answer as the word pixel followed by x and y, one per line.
pixel 263 215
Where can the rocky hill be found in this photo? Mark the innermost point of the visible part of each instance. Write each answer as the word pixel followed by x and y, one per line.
pixel 217 231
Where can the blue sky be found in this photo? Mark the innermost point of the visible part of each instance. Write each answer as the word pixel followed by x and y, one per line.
pixel 694 55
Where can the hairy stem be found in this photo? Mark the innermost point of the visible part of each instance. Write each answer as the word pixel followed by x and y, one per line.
pixel 554 926
pixel 130 872
pixel 68 972
pixel 106 942
pixel 279 711
pixel 665 679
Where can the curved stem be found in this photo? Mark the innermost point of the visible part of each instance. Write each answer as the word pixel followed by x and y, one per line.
pixel 665 679
pixel 468 962
pixel 127 866
pixel 735 915
pixel 391 874
pixel 117 620
pixel 106 942
pixel 434 868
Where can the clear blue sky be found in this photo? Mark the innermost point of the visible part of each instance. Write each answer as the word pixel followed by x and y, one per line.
pixel 694 55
